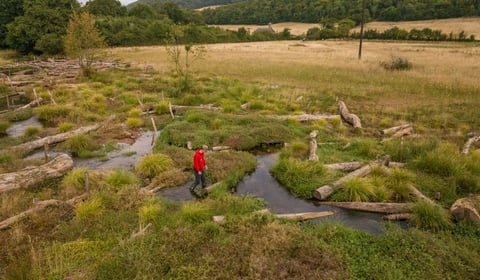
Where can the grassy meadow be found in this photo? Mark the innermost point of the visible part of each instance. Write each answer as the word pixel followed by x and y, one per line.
pixel 439 95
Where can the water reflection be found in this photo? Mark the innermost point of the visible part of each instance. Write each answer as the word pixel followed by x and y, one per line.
pixel 261 184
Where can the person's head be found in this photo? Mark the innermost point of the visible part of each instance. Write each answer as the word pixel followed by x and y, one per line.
pixel 204 148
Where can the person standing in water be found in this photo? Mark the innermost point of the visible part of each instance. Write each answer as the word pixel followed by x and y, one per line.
pixel 199 168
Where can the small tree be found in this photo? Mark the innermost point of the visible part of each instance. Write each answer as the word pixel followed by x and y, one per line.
pixel 182 56
pixel 83 40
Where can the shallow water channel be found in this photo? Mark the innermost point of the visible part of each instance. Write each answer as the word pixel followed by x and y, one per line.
pixel 17 129
pixel 279 200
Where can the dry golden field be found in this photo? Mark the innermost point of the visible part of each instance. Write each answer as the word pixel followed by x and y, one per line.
pixel 443 75
pixel 471 26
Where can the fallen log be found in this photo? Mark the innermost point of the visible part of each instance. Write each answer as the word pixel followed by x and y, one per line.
pixel 348 117
pixel 306 215
pixel 419 195
pixel 304 117
pixel 28 147
pixel 220 148
pixel 209 107
pixel 400 133
pixel 398 217
pixel 470 141
pixel 392 130
pixel 292 216
pixel 141 231
pixel 325 191
pixel 465 209
pixel 313 146
pixel 344 166
pixel 34 175
pixel 39 206
pixel 376 207
pixel 211 187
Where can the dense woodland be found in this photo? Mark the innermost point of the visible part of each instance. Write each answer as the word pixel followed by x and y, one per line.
pixel 191 4
pixel 39 26
pixel 265 11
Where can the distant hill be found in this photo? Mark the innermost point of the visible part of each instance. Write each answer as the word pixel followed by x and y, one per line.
pixel 190 4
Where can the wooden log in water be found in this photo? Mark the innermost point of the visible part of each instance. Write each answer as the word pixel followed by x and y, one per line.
pixel 28 147
pixel 325 191
pixel 376 207
pixel 398 217
pixel 293 216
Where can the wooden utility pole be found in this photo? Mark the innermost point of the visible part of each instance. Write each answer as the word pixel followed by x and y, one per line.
pixel 361 30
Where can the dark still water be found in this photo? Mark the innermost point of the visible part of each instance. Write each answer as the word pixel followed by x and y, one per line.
pixel 280 201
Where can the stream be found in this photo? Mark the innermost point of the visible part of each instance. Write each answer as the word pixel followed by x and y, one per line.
pixel 18 128
pixel 279 200
pixel 260 183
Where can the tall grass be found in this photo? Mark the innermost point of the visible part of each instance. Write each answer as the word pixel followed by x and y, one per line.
pixel 151 165
pixel 300 177
pixel 429 216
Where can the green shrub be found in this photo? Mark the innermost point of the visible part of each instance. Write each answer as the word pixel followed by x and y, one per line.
pixel 65 126
pixel 151 165
pixel 430 216
pixel 81 145
pixel 119 178
pixel 89 209
pixel 51 115
pixel 397 63
pixel 162 108
pixel 300 177
pixel 134 122
pixel 135 113
pixel 31 131
pixel 149 212
pixel 4 125
pixel 297 149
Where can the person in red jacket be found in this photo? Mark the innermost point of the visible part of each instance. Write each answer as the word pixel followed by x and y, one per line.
pixel 199 167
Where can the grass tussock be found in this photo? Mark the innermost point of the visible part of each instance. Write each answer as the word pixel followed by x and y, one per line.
pixel 300 177
pixel 431 217
pixel 83 146
pixel 151 165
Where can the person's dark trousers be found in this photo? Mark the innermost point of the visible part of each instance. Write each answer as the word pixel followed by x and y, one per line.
pixel 199 178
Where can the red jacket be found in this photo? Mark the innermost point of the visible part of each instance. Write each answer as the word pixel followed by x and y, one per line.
pixel 198 161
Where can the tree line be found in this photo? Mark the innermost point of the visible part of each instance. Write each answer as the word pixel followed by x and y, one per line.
pixel 190 4
pixel 40 26
pixel 313 11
